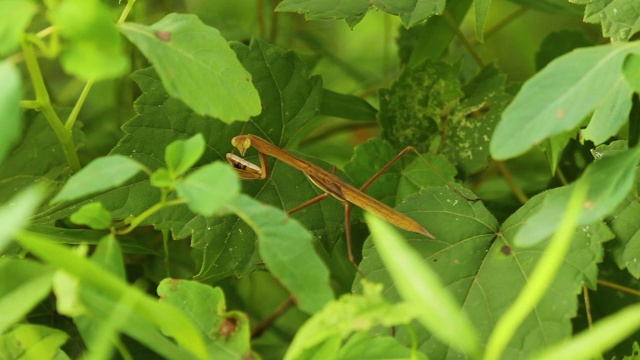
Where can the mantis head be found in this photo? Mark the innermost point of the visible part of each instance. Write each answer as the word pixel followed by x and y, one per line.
pixel 242 143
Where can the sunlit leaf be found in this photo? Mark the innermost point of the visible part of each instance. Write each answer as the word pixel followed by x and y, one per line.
pixel 181 155
pixel 618 18
pixel 209 188
pixel 27 341
pixel 197 66
pixel 10 116
pixel 15 16
pixel 94 215
pixel 558 98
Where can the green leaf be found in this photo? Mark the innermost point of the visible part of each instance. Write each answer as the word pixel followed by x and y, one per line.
pixel 627 232
pixel 161 178
pixel 481 8
pixel 561 7
pixel 27 341
pixel 602 336
pixel 39 160
pixel 631 71
pixel 410 112
pixel 559 97
pixel 10 94
pixel 94 215
pixel 93 49
pixel 228 333
pixel 352 11
pixel 608 180
pixel 340 318
pixel 15 214
pixel 15 16
pixel 364 346
pixel 618 18
pixel 346 106
pixel 181 155
pixel 101 174
pixel 196 66
pixel 209 188
pixel 431 39
pixel 421 288
pixel 24 284
pixel 161 315
pixel 541 278
pixel 412 11
pixel 610 115
pixel 287 249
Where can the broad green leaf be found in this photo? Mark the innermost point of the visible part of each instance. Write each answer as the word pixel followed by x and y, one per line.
pixel 15 16
pixel 163 316
pixel 350 313
pixel 227 333
pixel 15 214
pixel 101 174
pixel 602 336
pixel 561 7
pixel 541 278
pixel 421 287
pixel 107 315
pixel 610 115
pixel 161 178
pixel 431 39
pixel 10 115
pixel 27 341
pixel 471 124
pixel 559 97
pixel 485 273
pixel 412 12
pixel 618 18
pixel 39 160
pixel 553 149
pixel 481 8
pixel 352 11
pixel 287 249
pixel 209 188
pixel 93 48
pixel 364 346
pixel 24 284
pixel 626 245
pixel 196 66
pixel 410 112
pixel 94 215
pixel 346 106
pixel 90 237
pixel 631 71
pixel 608 180
pixel 181 155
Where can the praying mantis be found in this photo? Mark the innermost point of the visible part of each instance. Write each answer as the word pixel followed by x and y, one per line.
pixel 328 182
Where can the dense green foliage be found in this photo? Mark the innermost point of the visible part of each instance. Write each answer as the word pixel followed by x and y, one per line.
pixel 127 235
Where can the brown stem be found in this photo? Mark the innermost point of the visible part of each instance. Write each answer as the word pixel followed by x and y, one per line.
pixel 515 188
pixel 258 330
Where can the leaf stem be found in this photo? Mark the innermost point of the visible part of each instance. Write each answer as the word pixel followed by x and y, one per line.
pixel 76 108
pixel 540 279
pixel 43 101
pixel 515 188
pixel 126 11
pixel 502 23
pixel 619 287
pixel 456 29
pixel 150 211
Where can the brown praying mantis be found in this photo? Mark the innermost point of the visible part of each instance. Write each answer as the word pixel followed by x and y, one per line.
pixel 328 182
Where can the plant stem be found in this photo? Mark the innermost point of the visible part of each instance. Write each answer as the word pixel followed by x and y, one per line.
pixel 456 29
pixel 506 175
pixel 64 135
pixel 619 287
pixel 150 211
pixel 76 108
pixel 126 11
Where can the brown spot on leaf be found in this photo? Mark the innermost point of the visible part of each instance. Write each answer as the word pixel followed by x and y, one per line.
pixel 228 326
pixel 163 35
pixel 506 250
pixel 560 114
